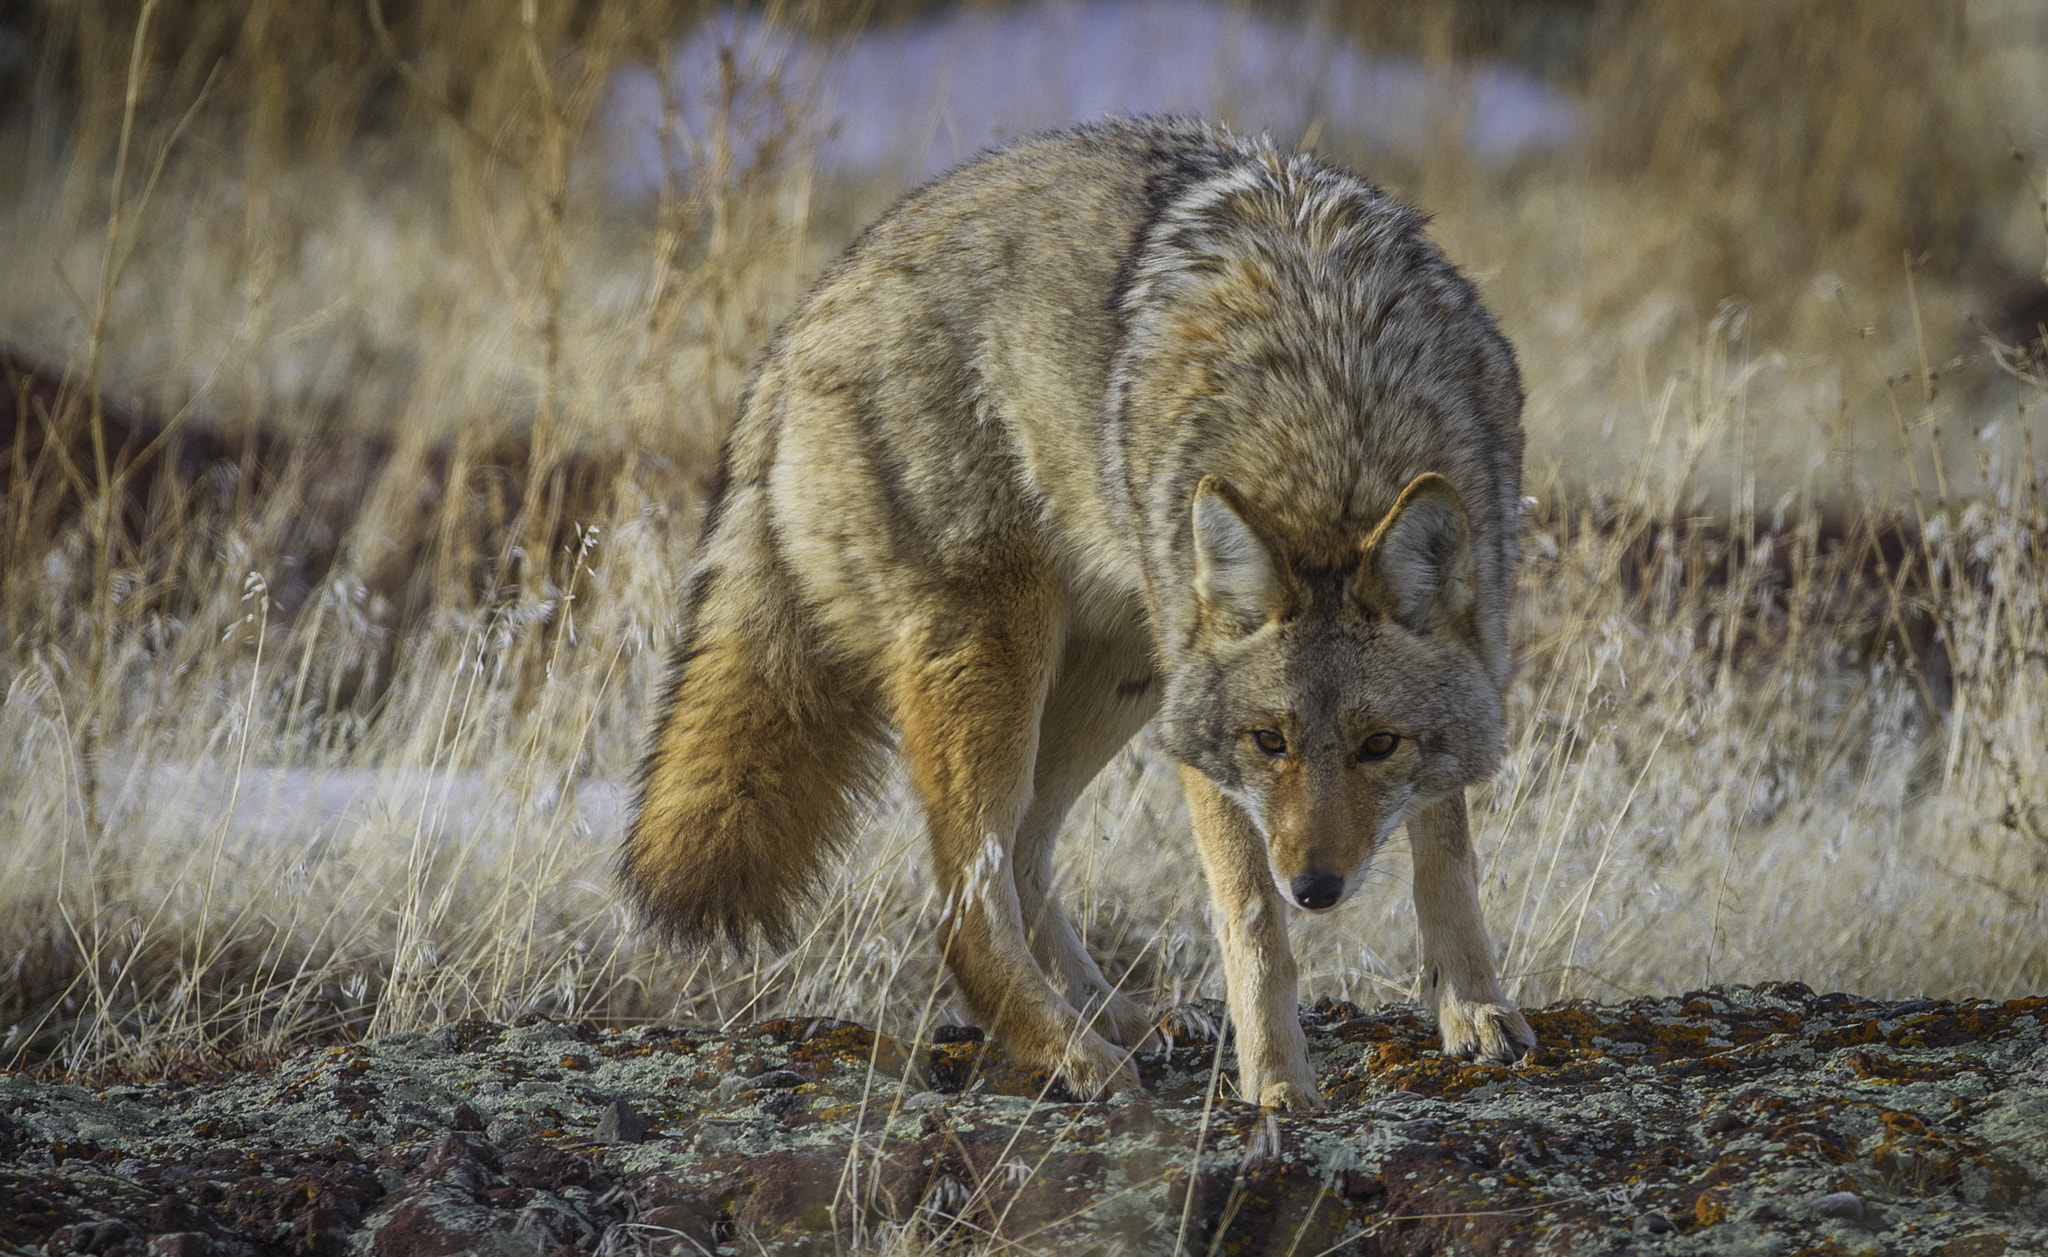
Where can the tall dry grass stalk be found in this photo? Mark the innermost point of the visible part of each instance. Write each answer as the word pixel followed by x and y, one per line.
pixel 322 737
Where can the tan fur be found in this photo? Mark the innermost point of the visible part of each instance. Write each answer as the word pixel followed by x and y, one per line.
pixel 1258 966
pixel 1138 419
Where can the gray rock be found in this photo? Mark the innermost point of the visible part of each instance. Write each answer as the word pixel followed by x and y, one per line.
pixel 1845 1206
pixel 621 1125
pixel 676 1228
pixel 774 1080
pixel 510 1128
pixel 91 1237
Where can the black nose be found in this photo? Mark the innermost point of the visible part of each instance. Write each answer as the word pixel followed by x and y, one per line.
pixel 1317 890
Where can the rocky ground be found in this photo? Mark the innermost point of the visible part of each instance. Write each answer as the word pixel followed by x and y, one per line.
pixel 1734 1120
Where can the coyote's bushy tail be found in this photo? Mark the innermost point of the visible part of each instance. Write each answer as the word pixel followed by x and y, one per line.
pixel 759 753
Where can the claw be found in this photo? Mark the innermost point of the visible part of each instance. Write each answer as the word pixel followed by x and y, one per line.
pixel 1492 1032
pixel 1186 1023
pixel 1095 1071
pixel 1288 1097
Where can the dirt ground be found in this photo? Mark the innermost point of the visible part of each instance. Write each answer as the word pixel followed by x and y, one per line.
pixel 1736 1119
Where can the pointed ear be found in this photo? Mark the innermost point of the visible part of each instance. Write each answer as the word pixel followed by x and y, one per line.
pixel 1418 562
pixel 1235 575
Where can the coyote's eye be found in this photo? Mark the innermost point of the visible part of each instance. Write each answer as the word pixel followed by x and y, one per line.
pixel 1269 741
pixel 1378 746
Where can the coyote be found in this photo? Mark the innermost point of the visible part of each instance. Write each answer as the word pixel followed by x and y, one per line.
pixel 1137 419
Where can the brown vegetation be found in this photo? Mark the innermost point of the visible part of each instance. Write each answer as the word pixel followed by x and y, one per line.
pixel 1782 695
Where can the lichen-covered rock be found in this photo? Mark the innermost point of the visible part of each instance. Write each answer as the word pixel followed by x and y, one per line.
pixel 1741 1119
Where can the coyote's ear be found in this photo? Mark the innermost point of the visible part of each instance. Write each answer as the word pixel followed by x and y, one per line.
pixel 1235 576
pixel 1418 562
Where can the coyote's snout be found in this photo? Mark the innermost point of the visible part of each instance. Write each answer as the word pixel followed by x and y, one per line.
pixel 1136 420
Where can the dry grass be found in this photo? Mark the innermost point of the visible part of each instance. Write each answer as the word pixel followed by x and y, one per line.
pixel 1782 702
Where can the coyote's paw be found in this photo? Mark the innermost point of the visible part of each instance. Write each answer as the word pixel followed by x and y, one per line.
pixel 1288 1097
pixel 1187 1023
pixel 1092 1069
pixel 1489 1032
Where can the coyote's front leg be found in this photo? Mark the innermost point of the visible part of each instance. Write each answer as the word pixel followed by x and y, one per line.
pixel 1258 965
pixel 1475 1018
pixel 970 685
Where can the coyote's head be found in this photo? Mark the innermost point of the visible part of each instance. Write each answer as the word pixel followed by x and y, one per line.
pixel 1332 704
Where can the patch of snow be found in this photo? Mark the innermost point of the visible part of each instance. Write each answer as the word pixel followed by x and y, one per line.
pixel 305 806
pixel 916 99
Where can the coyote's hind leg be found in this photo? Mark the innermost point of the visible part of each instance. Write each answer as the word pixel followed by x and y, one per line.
pixel 968 685
pixel 1102 695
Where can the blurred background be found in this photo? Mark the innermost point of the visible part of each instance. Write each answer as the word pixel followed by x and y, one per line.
pixel 363 368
